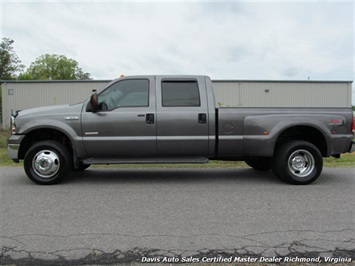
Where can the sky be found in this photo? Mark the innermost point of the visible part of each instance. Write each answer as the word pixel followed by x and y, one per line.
pixel 262 40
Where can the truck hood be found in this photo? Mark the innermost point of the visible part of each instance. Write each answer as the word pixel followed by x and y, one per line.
pixel 50 110
pixel 59 116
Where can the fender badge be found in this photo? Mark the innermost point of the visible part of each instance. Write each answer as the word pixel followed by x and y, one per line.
pixel 91 133
pixel 336 122
pixel 69 118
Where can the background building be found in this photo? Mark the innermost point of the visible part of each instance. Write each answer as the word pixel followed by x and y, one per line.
pixel 20 95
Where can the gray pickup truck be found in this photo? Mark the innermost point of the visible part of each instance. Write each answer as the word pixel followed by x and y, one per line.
pixel 174 119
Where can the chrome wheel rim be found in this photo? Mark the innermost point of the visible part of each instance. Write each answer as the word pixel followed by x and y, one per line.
pixel 46 164
pixel 301 163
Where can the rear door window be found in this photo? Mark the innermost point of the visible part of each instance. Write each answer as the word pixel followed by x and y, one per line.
pixel 180 93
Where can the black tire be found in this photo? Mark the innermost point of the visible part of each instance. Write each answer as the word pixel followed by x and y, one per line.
pixel 259 163
pixel 298 162
pixel 47 162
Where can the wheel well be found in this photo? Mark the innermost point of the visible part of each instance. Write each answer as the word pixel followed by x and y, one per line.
pixel 305 133
pixel 43 134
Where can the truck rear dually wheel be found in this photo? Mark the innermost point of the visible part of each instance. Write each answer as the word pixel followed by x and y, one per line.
pixel 47 162
pixel 298 162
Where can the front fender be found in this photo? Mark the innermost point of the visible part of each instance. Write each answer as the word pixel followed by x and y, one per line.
pixel 50 124
pixel 71 129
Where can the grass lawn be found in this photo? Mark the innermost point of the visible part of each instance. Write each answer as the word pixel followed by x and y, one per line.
pixel 346 160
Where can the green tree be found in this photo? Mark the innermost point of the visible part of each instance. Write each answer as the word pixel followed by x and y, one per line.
pixel 10 64
pixel 54 67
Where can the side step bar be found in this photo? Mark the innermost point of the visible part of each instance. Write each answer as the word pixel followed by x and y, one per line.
pixel 143 160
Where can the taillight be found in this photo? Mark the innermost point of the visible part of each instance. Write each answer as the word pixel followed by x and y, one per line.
pixel 353 124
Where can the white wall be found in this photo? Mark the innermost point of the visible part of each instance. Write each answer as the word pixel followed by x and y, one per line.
pixel 23 95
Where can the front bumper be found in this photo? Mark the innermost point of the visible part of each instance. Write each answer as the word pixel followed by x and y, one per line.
pixel 13 147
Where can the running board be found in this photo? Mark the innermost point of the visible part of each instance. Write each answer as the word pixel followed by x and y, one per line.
pixel 158 160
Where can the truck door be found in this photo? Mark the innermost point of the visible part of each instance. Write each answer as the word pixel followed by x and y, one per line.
pixel 125 124
pixel 182 117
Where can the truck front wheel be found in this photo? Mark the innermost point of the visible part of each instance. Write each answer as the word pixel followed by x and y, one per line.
pixel 47 162
pixel 298 162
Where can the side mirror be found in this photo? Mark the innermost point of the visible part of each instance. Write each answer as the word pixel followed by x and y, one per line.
pixel 94 102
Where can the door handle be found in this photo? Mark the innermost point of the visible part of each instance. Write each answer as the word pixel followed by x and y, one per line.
pixel 149 118
pixel 202 118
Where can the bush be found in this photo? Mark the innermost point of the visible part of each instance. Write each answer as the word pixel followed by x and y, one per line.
pixel 4 135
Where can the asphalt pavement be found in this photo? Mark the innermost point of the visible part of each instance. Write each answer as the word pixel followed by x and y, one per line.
pixel 121 215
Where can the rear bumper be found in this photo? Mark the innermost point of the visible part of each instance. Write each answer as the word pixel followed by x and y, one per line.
pixel 352 147
pixel 13 147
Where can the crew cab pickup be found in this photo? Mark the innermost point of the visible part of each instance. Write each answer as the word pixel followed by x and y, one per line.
pixel 174 119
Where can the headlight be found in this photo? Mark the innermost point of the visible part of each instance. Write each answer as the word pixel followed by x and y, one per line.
pixel 13 125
